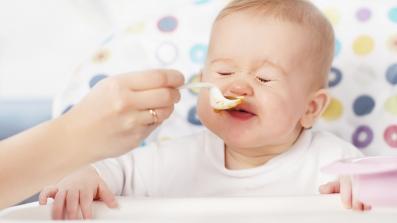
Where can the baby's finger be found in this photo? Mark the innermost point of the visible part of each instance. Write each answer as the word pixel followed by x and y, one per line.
pixel 58 205
pixel 107 196
pixel 330 188
pixel 85 204
pixel 357 205
pixel 47 193
pixel 346 192
pixel 72 204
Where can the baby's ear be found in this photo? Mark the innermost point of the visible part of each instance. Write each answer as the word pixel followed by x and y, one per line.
pixel 318 103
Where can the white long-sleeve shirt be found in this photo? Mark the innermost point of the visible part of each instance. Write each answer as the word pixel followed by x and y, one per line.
pixel 194 166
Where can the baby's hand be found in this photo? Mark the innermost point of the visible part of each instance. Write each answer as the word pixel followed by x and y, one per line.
pixel 344 187
pixel 77 192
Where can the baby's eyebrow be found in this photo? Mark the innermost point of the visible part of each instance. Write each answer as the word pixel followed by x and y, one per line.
pixel 222 60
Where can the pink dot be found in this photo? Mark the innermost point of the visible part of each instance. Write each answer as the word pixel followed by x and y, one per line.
pixel 390 136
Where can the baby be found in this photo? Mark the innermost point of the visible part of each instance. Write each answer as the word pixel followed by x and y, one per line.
pixel 275 53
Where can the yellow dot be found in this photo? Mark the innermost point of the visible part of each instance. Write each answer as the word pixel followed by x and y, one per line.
pixel 391 105
pixel 164 139
pixel 333 15
pixel 363 45
pixel 334 110
pixel 136 28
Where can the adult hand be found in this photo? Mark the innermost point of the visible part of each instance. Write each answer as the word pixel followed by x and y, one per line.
pixel 121 111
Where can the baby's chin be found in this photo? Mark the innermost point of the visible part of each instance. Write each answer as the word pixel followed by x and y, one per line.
pixel 238 140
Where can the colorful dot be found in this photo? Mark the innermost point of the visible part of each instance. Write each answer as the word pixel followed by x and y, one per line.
pixel 393 15
pixel 194 79
pixel 198 53
pixel 167 53
pixel 390 136
pixel 363 45
pixel 199 2
pixel 391 74
pixel 101 56
pixel 391 105
pixel 363 105
pixel 363 14
pixel 333 15
pixel 95 79
pixel 335 77
pixel 338 48
pixel 136 28
pixel 362 137
pixel 192 116
pixel 392 43
pixel 167 24
pixel 334 110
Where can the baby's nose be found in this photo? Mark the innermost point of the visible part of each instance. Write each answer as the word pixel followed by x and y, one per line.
pixel 239 88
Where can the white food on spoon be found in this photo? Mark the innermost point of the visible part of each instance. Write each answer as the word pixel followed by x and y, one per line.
pixel 217 100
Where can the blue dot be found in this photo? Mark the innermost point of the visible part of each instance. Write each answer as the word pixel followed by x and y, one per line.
pixel 336 77
pixel 199 2
pixel 67 109
pixel 363 105
pixel 192 116
pixel 393 14
pixel 391 74
pixel 198 53
pixel 338 48
pixel 95 79
pixel 167 24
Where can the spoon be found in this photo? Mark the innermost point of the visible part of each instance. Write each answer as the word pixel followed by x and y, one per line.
pixel 217 100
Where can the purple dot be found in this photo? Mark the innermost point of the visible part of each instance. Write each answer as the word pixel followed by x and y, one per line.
pixel 363 14
pixel 362 137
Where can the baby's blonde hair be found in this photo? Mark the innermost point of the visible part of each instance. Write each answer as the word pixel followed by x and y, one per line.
pixel 302 13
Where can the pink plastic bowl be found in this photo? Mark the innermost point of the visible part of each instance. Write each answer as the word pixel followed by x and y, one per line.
pixel 374 179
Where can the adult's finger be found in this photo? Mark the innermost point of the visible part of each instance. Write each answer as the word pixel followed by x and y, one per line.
pixel 155 98
pixel 152 79
pixel 158 115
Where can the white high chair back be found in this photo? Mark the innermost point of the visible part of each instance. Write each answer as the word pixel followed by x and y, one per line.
pixel 362 81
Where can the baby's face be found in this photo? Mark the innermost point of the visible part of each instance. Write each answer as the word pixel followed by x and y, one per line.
pixel 263 60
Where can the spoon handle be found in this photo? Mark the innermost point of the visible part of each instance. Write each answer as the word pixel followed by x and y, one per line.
pixel 197 85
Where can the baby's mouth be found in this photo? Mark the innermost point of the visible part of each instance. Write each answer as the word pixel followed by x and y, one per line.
pixel 241 113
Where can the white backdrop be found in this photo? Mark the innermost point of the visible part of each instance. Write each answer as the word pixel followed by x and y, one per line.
pixel 42 41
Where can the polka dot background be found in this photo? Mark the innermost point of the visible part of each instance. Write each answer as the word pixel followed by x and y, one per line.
pixel 362 81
